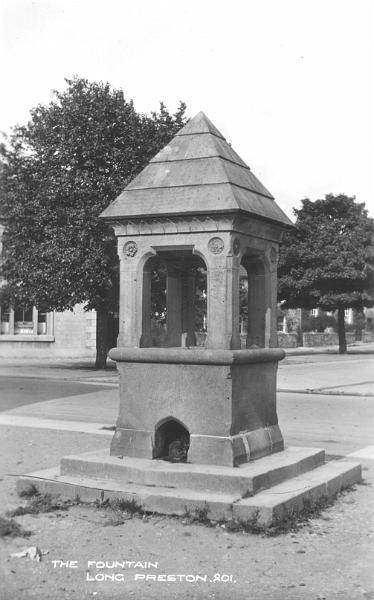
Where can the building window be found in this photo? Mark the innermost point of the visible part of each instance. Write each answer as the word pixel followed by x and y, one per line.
pixel 5 321
pixel 348 316
pixel 27 324
pixel 42 323
pixel 23 321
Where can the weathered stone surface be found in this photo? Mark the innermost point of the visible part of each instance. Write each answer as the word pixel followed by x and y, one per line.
pixel 264 490
pixel 196 356
pixel 225 399
pixel 291 495
pixel 248 478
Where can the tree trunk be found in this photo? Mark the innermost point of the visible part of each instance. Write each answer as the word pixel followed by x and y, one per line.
pixel 341 331
pixel 101 339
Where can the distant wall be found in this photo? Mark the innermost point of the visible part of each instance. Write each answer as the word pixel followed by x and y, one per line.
pixel 367 336
pixel 73 335
pixel 312 339
pixel 287 340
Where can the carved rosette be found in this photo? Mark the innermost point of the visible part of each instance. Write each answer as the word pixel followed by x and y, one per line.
pixel 216 245
pixel 130 249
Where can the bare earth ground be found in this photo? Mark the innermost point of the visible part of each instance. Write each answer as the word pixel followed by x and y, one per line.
pixel 330 558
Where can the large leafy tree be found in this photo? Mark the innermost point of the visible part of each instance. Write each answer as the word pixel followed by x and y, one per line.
pixel 57 175
pixel 327 261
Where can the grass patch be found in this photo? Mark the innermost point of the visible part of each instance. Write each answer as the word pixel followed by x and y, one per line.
pixel 10 528
pixel 124 505
pixel 198 515
pixel 118 510
pixel 29 492
pixel 40 503
pixel 201 515
pixel 290 521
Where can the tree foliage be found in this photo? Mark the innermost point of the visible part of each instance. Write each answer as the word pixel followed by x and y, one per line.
pixel 58 174
pixel 327 262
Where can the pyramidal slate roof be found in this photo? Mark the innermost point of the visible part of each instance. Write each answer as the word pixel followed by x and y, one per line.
pixel 196 173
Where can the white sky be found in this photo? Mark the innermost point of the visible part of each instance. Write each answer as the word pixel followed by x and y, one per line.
pixel 288 82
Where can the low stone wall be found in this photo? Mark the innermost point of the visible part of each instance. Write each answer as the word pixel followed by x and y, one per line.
pixel 290 340
pixel 367 336
pixel 312 339
pixel 287 340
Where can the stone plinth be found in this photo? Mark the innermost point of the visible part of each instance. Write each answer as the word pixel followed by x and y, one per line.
pixel 226 400
pixel 263 490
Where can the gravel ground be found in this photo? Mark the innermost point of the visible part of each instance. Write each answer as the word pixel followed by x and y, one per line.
pixel 330 558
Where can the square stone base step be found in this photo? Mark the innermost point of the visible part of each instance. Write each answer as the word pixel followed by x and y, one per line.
pixel 163 500
pixel 244 480
pixel 177 489
pixel 324 482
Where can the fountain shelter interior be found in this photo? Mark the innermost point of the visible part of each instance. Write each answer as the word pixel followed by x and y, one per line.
pixel 176 314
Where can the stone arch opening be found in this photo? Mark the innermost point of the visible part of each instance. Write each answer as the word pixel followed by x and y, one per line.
pixel 253 270
pixel 172 441
pixel 157 270
pixel 174 299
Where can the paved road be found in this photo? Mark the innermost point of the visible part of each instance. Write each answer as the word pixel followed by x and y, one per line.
pixel 347 374
pixel 340 423
pixel 19 391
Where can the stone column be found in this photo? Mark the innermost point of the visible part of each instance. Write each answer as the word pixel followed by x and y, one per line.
pixel 233 301
pixel 216 305
pixel 146 339
pixel 223 299
pixel 188 307
pixel 256 304
pixel 173 306
pixel 271 337
pixel 130 310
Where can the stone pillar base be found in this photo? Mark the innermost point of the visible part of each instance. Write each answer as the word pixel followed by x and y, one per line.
pixel 223 402
pixel 204 449
pixel 236 449
pixel 132 442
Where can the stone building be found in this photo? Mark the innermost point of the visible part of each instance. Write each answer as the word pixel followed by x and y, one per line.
pixel 28 333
